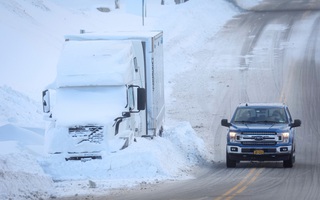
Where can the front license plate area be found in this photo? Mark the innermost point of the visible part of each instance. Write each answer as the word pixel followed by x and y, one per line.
pixel 258 152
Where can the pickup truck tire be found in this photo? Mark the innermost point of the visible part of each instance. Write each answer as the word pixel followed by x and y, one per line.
pixel 288 163
pixel 230 163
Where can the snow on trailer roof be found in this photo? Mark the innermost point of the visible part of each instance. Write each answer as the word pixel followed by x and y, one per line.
pixel 95 63
pixel 143 35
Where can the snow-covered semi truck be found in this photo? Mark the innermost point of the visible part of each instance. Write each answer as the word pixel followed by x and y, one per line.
pixel 108 91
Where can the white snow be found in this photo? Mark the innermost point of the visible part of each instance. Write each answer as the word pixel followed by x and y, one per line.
pixel 95 61
pixel 32 36
pixel 98 100
pixel 247 4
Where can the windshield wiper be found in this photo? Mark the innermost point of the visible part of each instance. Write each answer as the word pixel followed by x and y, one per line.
pixel 244 122
pixel 267 121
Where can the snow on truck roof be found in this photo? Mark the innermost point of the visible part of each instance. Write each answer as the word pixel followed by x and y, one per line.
pixel 95 62
pixel 141 35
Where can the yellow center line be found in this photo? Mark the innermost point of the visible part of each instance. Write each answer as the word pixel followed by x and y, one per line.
pixel 242 185
pixel 246 185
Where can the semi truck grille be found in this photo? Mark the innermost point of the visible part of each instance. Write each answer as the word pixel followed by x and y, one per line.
pixel 92 133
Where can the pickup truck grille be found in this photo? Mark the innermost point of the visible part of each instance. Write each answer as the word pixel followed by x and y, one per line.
pixel 259 133
pixel 258 138
pixel 264 143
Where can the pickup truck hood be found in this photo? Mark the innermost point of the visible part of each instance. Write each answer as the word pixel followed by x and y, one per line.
pixel 259 127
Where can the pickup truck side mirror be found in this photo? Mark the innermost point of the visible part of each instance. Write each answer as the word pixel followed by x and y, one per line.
pixel 296 123
pixel 224 122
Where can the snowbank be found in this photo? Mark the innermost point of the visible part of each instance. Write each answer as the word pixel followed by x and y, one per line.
pixel 25 173
pixel 144 161
pixel 21 176
pixel 248 4
pixel 19 109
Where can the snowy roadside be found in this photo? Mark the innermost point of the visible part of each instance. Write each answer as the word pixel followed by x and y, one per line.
pixel 146 161
pixel 25 173
pixel 21 176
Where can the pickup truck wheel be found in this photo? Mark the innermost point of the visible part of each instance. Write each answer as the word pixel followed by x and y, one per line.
pixel 288 163
pixel 230 163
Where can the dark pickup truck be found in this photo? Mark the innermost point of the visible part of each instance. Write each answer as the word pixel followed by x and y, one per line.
pixel 261 132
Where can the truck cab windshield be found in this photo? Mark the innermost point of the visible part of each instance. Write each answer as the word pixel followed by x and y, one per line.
pixel 96 105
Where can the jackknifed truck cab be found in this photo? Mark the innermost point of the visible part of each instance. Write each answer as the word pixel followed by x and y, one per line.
pixel 108 91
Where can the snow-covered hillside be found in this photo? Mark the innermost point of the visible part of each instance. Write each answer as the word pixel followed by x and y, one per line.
pixel 19 109
pixel 32 37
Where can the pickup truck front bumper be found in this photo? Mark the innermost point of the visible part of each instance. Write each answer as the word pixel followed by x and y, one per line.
pixel 259 153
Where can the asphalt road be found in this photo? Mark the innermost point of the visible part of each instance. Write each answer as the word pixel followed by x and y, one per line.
pixel 268 56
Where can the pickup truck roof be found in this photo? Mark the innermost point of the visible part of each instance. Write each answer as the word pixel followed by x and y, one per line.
pixel 262 105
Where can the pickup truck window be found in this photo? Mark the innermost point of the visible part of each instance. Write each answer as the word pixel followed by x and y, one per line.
pixel 263 115
pixel 289 115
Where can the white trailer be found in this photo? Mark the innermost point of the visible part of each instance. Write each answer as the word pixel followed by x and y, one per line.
pixel 109 90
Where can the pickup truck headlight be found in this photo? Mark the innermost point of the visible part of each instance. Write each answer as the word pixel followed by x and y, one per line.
pixel 285 137
pixel 233 136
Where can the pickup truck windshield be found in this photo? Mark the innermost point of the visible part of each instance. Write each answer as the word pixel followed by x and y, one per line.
pixel 260 115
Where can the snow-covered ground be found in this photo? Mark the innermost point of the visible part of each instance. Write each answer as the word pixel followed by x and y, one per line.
pixel 31 39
